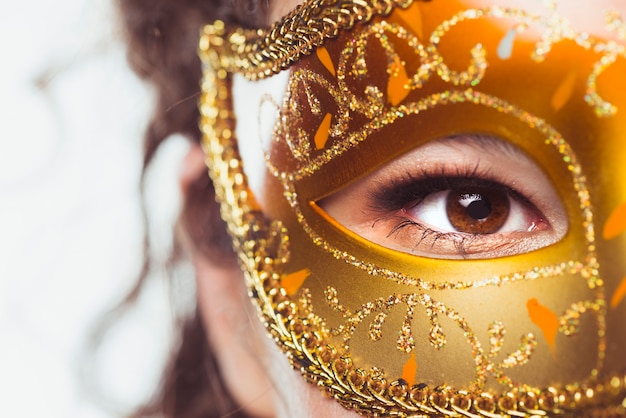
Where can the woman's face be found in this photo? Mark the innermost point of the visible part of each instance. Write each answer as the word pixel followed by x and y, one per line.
pixel 435 199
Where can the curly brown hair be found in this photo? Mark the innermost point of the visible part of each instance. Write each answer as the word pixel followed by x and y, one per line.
pixel 162 40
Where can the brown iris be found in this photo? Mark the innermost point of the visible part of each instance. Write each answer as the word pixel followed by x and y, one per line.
pixel 477 210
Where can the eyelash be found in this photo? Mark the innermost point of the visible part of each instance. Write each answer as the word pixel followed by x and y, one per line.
pixel 409 191
pixel 460 241
pixel 393 196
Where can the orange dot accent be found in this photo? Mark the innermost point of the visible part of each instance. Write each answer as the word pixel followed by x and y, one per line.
pixel 323 132
pixel 616 224
pixel 564 92
pixel 293 282
pixel 619 294
pixel 326 60
pixel 397 89
pixel 412 19
pixel 545 319
pixel 410 370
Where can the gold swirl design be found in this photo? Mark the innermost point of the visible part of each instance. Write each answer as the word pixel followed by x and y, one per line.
pixel 375 106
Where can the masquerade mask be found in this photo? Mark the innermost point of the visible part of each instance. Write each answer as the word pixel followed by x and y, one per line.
pixel 438 227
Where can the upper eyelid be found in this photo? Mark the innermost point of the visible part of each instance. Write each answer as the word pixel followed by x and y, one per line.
pixel 380 199
pixel 484 142
pixel 453 156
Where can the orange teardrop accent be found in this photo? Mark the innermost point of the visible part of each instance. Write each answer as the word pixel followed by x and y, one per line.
pixel 619 294
pixel 412 19
pixel 564 92
pixel 321 136
pixel 326 60
pixel 397 89
pixel 616 224
pixel 545 319
pixel 410 370
pixel 293 282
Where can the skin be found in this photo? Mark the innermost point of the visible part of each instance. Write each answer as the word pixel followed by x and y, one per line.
pixel 257 374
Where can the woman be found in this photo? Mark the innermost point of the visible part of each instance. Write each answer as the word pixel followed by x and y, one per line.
pixel 426 200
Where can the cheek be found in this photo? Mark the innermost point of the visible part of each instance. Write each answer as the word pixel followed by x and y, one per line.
pixel 254 370
pixel 257 108
pixel 235 341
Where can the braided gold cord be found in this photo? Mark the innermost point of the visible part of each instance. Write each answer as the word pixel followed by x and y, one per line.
pixel 261 53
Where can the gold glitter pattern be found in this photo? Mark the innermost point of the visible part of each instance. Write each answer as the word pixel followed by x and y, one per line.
pixel 372 105
pixel 263 245
pixel 484 361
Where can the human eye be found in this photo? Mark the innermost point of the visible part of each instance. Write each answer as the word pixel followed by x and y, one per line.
pixel 468 197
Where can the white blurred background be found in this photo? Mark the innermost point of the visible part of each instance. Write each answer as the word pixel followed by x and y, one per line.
pixel 72 115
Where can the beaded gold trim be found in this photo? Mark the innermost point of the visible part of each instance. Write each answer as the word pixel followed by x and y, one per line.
pixel 260 53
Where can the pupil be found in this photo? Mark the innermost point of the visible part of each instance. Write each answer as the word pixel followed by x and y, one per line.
pixel 479 209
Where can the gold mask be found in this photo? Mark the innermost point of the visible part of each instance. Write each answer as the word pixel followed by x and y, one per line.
pixel 447 326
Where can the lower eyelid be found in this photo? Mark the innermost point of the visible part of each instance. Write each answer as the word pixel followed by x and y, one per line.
pixel 458 245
